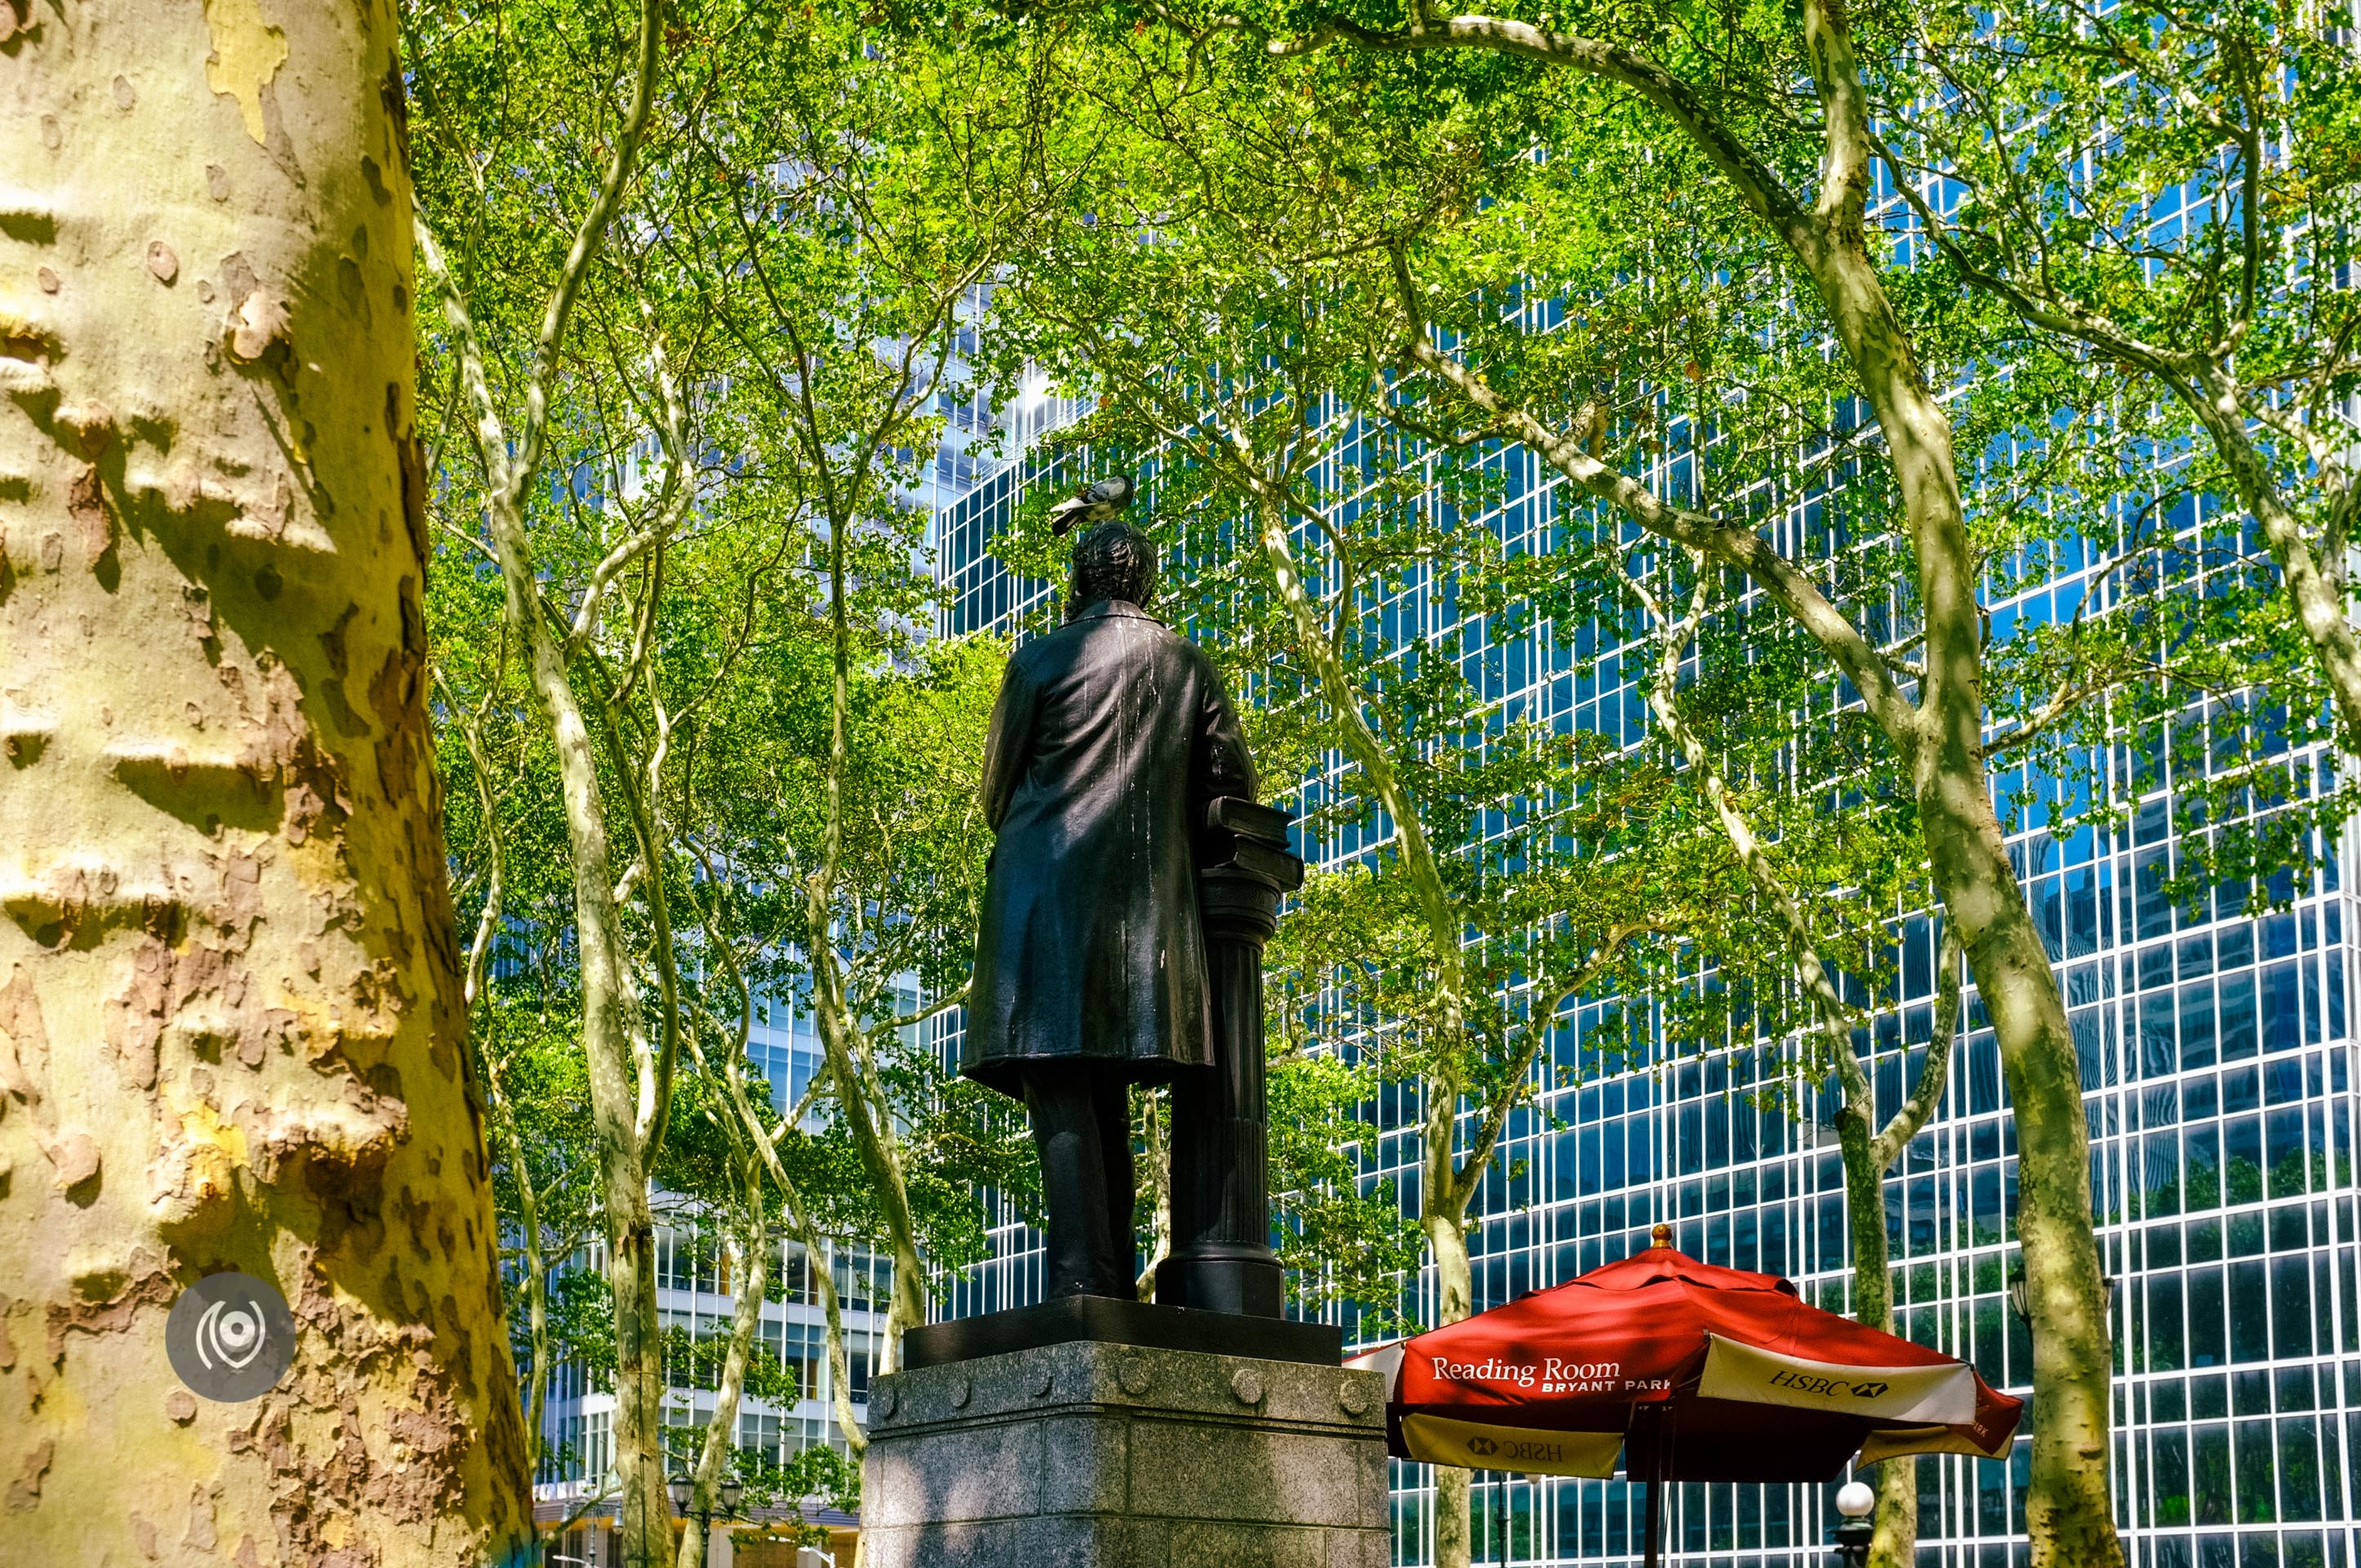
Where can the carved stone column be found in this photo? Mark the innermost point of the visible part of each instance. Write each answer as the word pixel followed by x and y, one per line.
pixel 1221 1259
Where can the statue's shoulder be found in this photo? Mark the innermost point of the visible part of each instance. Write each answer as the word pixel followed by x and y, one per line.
pixel 1118 622
pixel 1051 648
pixel 1139 630
pixel 1111 639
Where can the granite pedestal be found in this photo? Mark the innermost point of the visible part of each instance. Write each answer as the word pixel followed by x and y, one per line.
pixel 1089 1455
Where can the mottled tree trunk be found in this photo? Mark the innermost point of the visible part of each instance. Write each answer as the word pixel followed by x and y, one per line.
pixel 1444 1212
pixel 630 1079
pixel 2069 1514
pixel 2315 588
pixel 1446 1240
pixel 645 1512
pixel 230 1007
pixel 2068 1511
pixel 839 1359
pixel 1897 1542
pixel 860 1098
pixel 1869 1152
pixel 753 1247
pixel 871 1127
pixel 621 1094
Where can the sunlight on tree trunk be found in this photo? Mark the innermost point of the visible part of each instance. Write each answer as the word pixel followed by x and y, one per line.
pixel 1446 1241
pixel 751 1245
pixel 231 1025
pixel 630 1080
pixel 869 1122
pixel 1867 1158
pixel 1445 1196
pixel 840 1363
pixel 1155 1171
pixel 749 1136
pixel 868 1117
pixel 1938 737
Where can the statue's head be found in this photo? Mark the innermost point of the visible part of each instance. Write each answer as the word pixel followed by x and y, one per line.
pixel 1111 561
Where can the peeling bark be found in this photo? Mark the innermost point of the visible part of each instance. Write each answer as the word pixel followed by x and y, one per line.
pixel 754 1252
pixel 630 1080
pixel 1455 1289
pixel 230 1013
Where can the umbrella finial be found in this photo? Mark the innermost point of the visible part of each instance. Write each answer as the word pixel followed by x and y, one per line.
pixel 1662 1236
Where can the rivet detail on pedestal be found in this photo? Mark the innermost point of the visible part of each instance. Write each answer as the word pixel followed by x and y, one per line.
pixel 963 1393
pixel 889 1400
pixel 1247 1384
pixel 1041 1382
pixel 1354 1398
pixel 1131 1376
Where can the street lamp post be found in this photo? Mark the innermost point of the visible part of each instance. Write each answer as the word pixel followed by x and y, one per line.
pixel 683 1492
pixel 1855 1501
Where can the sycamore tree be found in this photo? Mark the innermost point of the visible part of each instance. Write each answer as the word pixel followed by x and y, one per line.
pixel 861 208
pixel 545 1184
pixel 1345 1238
pixel 697 280
pixel 905 746
pixel 231 1032
pixel 1515 865
pixel 1706 411
pixel 1696 281
pixel 724 1202
pixel 1663 289
pixel 1794 173
pixel 506 846
pixel 540 337
pixel 2170 193
pixel 710 1188
pixel 1828 846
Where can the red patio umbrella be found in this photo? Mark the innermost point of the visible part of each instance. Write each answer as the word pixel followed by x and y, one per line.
pixel 1690 1372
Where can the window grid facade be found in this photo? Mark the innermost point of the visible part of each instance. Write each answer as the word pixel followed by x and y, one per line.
pixel 2216 1060
pixel 694 1291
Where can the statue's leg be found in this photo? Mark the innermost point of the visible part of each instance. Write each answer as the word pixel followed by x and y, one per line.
pixel 1064 1104
pixel 1112 1097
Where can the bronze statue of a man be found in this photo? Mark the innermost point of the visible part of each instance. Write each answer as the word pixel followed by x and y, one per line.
pixel 1111 737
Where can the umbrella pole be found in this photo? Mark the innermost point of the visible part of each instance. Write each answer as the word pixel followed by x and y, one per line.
pixel 1655 1522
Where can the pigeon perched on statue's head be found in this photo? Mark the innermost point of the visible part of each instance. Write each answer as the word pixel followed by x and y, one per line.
pixel 1093 503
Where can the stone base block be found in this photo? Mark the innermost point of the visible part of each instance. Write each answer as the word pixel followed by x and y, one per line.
pixel 1096 1456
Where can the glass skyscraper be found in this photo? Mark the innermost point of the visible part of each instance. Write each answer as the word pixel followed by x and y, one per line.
pixel 694 1290
pixel 2217 1066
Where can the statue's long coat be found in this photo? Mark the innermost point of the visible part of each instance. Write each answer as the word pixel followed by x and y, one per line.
pixel 1110 736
